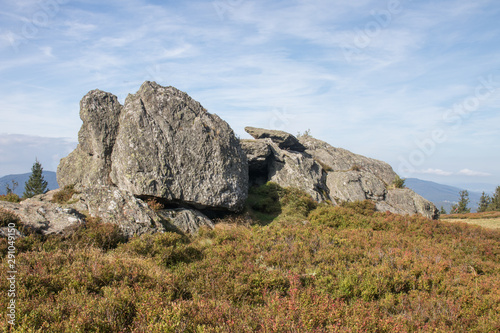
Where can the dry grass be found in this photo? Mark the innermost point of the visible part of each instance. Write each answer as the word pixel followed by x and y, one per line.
pixel 489 220
pixel 485 223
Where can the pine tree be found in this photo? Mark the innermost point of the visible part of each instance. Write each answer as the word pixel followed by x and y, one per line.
pixel 461 206
pixel 484 202
pixel 442 211
pixel 495 201
pixel 35 184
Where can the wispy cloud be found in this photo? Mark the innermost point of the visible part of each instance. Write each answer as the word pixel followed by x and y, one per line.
pixel 438 172
pixel 263 56
pixel 472 173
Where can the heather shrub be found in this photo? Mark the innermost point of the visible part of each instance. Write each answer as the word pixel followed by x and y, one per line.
pixel 265 198
pixel 64 194
pixel 7 217
pixel 166 248
pixel 349 269
pixel 10 197
pixel 154 204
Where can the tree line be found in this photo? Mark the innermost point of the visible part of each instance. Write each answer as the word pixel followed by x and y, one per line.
pixel 487 203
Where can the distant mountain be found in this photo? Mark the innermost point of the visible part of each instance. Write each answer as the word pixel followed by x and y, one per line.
pixel 21 179
pixel 441 195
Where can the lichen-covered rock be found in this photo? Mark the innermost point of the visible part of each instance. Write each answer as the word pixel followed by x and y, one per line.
pixel 170 147
pixel 113 205
pixel 287 168
pixel 185 220
pixel 90 163
pixel 355 186
pixel 329 173
pixel 296 169
pixel 405 201
pixel 338 159
pixel 43 216
pixel 284 140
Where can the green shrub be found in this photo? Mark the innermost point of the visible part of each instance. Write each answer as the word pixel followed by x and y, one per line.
pixel 365 207
pixel 398 182
pixel 167 248
pixel 64 194
pixel 10 197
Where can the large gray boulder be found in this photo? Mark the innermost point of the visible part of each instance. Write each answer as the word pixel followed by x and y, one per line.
pixel 170 147
pixel 161 143
pixel 406 202
pixel 288 168
pixel 354 186
pixel 90 163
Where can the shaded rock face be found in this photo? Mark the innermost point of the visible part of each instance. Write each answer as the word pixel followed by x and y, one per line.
pixel 187 221
pixel 288 168
pixel 170 147
pixel 160 143
pixel 329 173
pixel 90 163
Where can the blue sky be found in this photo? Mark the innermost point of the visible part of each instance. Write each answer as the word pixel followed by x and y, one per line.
pixel 412 83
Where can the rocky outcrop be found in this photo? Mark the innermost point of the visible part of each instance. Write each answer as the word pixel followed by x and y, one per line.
pixel 340 160
pixel 161 143
pixel 90 163
pixel 354 186
pixel 170 147
pixel 405 201
pixel 288 168
pixel 328 173
pixel 112 205
pixel 43 216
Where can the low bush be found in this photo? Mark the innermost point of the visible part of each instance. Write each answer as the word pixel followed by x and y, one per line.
pixel 64 194
pixel 7 217
pixel 10 197
pixel 349 269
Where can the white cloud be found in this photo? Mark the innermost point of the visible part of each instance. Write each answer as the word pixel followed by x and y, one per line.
pixel 472 173
pixel 438 172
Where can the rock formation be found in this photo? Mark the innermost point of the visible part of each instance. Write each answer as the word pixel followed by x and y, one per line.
pixel 160 143
pixel 42 215
pixel 163 145
pixel 170 147
pixel 327 173
pixel 90 163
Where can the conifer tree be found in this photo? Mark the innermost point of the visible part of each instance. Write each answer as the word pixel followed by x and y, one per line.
pixel 442 211
pixel 484 202
pixel 495 200
pixel 35 184
pixel 461 206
